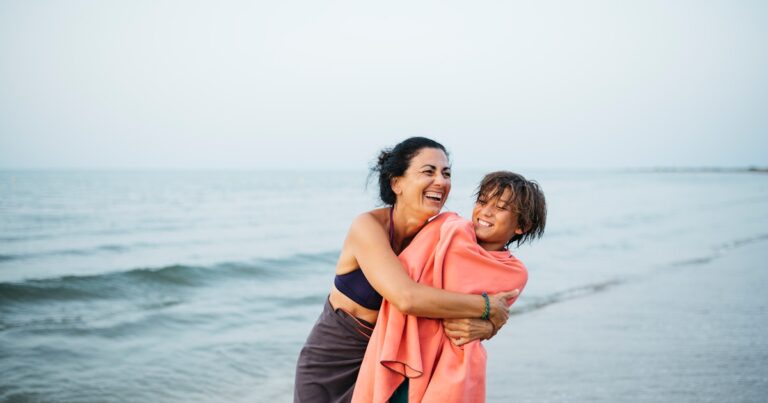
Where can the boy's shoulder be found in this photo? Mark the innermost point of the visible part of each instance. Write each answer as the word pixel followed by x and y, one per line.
pixel 507 256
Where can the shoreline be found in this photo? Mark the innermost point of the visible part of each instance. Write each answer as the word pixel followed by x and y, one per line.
pixel 688 333
pixel 749 169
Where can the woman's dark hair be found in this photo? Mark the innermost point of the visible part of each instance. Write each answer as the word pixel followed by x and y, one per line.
pixel 393 162
pixel 527 200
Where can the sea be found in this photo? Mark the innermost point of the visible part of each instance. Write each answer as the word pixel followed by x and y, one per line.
pixel 179 286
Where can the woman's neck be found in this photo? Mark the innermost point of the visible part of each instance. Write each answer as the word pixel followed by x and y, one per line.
pixel 406 225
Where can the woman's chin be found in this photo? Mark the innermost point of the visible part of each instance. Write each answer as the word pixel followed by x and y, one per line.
pixel 432 211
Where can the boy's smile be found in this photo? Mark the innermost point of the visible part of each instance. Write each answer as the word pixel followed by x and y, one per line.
pixel 495 220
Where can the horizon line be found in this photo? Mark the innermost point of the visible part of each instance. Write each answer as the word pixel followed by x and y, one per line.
pixel 657 168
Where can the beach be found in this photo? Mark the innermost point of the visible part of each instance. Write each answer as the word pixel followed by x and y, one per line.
pixel 690 332
pixel 178 181
pixel 203 286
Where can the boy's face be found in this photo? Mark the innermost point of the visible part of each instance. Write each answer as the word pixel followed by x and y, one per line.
pixel 495 220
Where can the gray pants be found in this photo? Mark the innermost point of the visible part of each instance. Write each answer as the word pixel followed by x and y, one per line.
pixel 331 358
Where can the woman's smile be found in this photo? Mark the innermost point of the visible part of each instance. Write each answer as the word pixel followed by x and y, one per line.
pixel 435 198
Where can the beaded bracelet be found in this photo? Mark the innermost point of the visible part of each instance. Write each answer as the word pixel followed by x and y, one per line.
pixel 487 310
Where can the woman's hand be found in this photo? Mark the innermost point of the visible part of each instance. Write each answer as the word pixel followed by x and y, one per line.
pixel 500 307
pixel 462 331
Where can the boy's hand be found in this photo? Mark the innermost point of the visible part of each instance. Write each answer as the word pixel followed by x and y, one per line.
pixel 462 331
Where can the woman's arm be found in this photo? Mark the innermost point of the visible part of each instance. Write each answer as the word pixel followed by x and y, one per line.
pixel 369 243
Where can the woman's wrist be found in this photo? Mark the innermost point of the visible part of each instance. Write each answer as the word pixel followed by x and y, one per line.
pixel 487 310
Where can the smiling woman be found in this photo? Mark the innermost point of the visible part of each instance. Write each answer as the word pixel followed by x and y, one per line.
pixel 414 181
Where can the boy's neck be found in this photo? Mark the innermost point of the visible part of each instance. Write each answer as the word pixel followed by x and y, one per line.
pixel 492 247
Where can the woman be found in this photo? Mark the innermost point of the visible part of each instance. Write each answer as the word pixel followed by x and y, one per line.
pixel 414 182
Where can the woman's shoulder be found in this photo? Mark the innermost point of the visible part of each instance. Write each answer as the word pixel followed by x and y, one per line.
pixel 376 218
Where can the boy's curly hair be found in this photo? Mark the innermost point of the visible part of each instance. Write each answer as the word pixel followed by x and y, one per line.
pixel 527 200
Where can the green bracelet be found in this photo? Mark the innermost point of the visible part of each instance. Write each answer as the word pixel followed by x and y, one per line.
pixel 487 310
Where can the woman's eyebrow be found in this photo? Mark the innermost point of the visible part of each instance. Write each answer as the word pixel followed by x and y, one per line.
pixel 430 166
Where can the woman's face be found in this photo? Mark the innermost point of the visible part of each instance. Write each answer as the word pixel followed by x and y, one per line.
pixel 495 220
pixel 425 185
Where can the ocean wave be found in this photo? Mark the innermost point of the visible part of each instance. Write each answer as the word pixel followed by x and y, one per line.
pixel 721 249
pixel 106 248
pixel 532 303
pixel 742 242
pixel 40 236
pixel 22 238
pixel 177 276
pixel 135 247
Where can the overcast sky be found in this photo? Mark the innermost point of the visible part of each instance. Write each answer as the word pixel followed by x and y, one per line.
pixel 325 84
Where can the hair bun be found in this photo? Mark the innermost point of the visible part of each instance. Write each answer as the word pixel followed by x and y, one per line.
pixel 384 155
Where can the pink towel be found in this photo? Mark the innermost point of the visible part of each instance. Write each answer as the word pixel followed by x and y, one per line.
pixel 444 254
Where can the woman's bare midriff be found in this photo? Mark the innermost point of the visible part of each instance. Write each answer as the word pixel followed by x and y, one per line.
pixel 339 300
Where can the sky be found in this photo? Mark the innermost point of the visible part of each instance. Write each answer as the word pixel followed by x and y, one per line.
pixel 326 84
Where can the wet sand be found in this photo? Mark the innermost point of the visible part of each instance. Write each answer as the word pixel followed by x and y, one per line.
pixel 696 332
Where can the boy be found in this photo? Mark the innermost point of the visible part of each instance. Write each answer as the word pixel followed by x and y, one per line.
pixel 508 208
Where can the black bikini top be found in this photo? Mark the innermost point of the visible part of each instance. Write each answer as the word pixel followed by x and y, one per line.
pixel 354 284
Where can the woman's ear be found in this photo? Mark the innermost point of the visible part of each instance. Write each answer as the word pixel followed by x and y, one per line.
pixel 394 183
